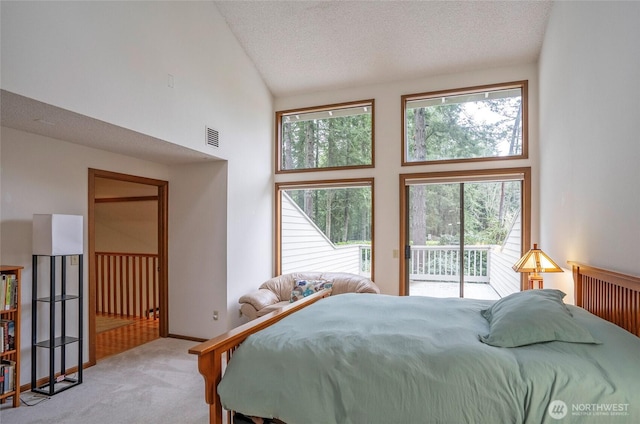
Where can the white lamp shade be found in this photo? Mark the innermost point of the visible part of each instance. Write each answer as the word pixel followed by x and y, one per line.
pixel 55 234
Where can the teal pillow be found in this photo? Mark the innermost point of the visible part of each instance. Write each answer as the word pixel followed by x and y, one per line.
pixel 532 316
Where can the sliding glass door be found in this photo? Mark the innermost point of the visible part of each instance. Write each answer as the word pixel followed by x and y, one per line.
pixel 435 239
pixel 462 235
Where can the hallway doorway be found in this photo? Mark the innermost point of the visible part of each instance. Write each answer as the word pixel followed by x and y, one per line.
pixel 127 262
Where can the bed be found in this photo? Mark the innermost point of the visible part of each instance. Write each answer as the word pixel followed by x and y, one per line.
pixel 434 360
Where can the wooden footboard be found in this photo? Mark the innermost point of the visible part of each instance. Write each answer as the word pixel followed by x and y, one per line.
pixel 215 353
pixel 609 295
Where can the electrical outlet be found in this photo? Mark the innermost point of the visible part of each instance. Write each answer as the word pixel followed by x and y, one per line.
pixel 74 260
pixel 215 315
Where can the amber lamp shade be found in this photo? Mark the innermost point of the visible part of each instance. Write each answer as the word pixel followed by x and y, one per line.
pixel 534 262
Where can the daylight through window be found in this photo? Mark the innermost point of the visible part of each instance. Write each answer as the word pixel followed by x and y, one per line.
pixel 326 227
pixel 480 123
pixel 326 137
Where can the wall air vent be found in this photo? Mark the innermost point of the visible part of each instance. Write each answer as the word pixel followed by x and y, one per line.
pixel 213 138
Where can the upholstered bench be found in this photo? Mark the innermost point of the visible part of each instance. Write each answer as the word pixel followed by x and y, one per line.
pixel 279 291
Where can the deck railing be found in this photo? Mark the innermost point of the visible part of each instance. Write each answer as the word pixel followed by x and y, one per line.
pixel 127 284
pixel 365 259
pixel 441 263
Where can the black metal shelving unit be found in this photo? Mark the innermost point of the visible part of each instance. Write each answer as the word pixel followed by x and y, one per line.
pixel 58 338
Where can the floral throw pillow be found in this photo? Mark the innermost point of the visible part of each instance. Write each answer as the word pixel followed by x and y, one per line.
pixel 304 288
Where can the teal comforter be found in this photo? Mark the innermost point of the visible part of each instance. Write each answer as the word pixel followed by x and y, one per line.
pixel 363 358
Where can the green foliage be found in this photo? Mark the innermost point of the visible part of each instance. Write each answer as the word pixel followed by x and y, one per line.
pixel 445 131
pixel 342 214
pixel 453 131
pixel 485 221
pixel 330 142
pixel 486 128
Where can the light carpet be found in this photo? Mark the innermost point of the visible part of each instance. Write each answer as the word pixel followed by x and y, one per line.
pixel 157 382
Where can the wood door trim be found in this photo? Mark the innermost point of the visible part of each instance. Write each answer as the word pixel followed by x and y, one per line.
pixel 127 199
pixel 163 249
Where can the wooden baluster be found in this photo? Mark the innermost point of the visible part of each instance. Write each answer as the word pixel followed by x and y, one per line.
pixel 109 282
pixel 102 278
pixel 142 313
pixel 146 267
pixel 633 312
pixel 126 283
pixel 121 285
pixel 133 289
pixel 154 262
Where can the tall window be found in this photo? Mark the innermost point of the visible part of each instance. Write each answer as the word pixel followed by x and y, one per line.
pixel 462 231
pixel 325 137
pixel 470 124
pixel 325 226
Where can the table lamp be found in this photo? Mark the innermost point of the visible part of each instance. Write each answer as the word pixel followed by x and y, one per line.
pixel 534 262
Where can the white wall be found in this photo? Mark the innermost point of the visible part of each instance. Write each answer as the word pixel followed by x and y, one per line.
pixel 221 235
pixel 198 237
pixel 129 227
pixel 110 61
pixel 589 129
pixel 388 130
pixel 44 175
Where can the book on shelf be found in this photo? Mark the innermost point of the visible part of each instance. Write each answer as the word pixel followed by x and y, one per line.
pixel 8 292
pixel 3 289
pixel 4 324
pixel 8 334
pixel 9 372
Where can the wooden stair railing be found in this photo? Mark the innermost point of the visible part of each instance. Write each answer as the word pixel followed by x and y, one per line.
pixel 127 284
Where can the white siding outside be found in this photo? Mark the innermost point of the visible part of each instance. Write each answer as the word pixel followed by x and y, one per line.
pixel 305 248
pixel 503 278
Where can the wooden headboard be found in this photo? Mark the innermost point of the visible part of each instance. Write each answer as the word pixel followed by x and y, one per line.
pixel 609 295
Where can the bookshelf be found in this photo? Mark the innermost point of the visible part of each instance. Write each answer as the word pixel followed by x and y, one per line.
pixel 10 354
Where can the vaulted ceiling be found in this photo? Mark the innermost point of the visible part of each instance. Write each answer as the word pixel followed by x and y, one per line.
pixel 307 46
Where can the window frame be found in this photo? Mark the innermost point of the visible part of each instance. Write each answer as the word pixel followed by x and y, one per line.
pixel 278 134
pixel 320 184
pixel 463 176
pixel 523 85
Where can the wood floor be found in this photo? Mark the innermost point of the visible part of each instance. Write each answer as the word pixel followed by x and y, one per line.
pixel 118 340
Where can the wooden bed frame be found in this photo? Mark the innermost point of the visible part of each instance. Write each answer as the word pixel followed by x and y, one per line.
pixel 610 295
pixel 215 353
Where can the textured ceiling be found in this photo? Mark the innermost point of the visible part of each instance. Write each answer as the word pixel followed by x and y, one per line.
pixel 307 46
